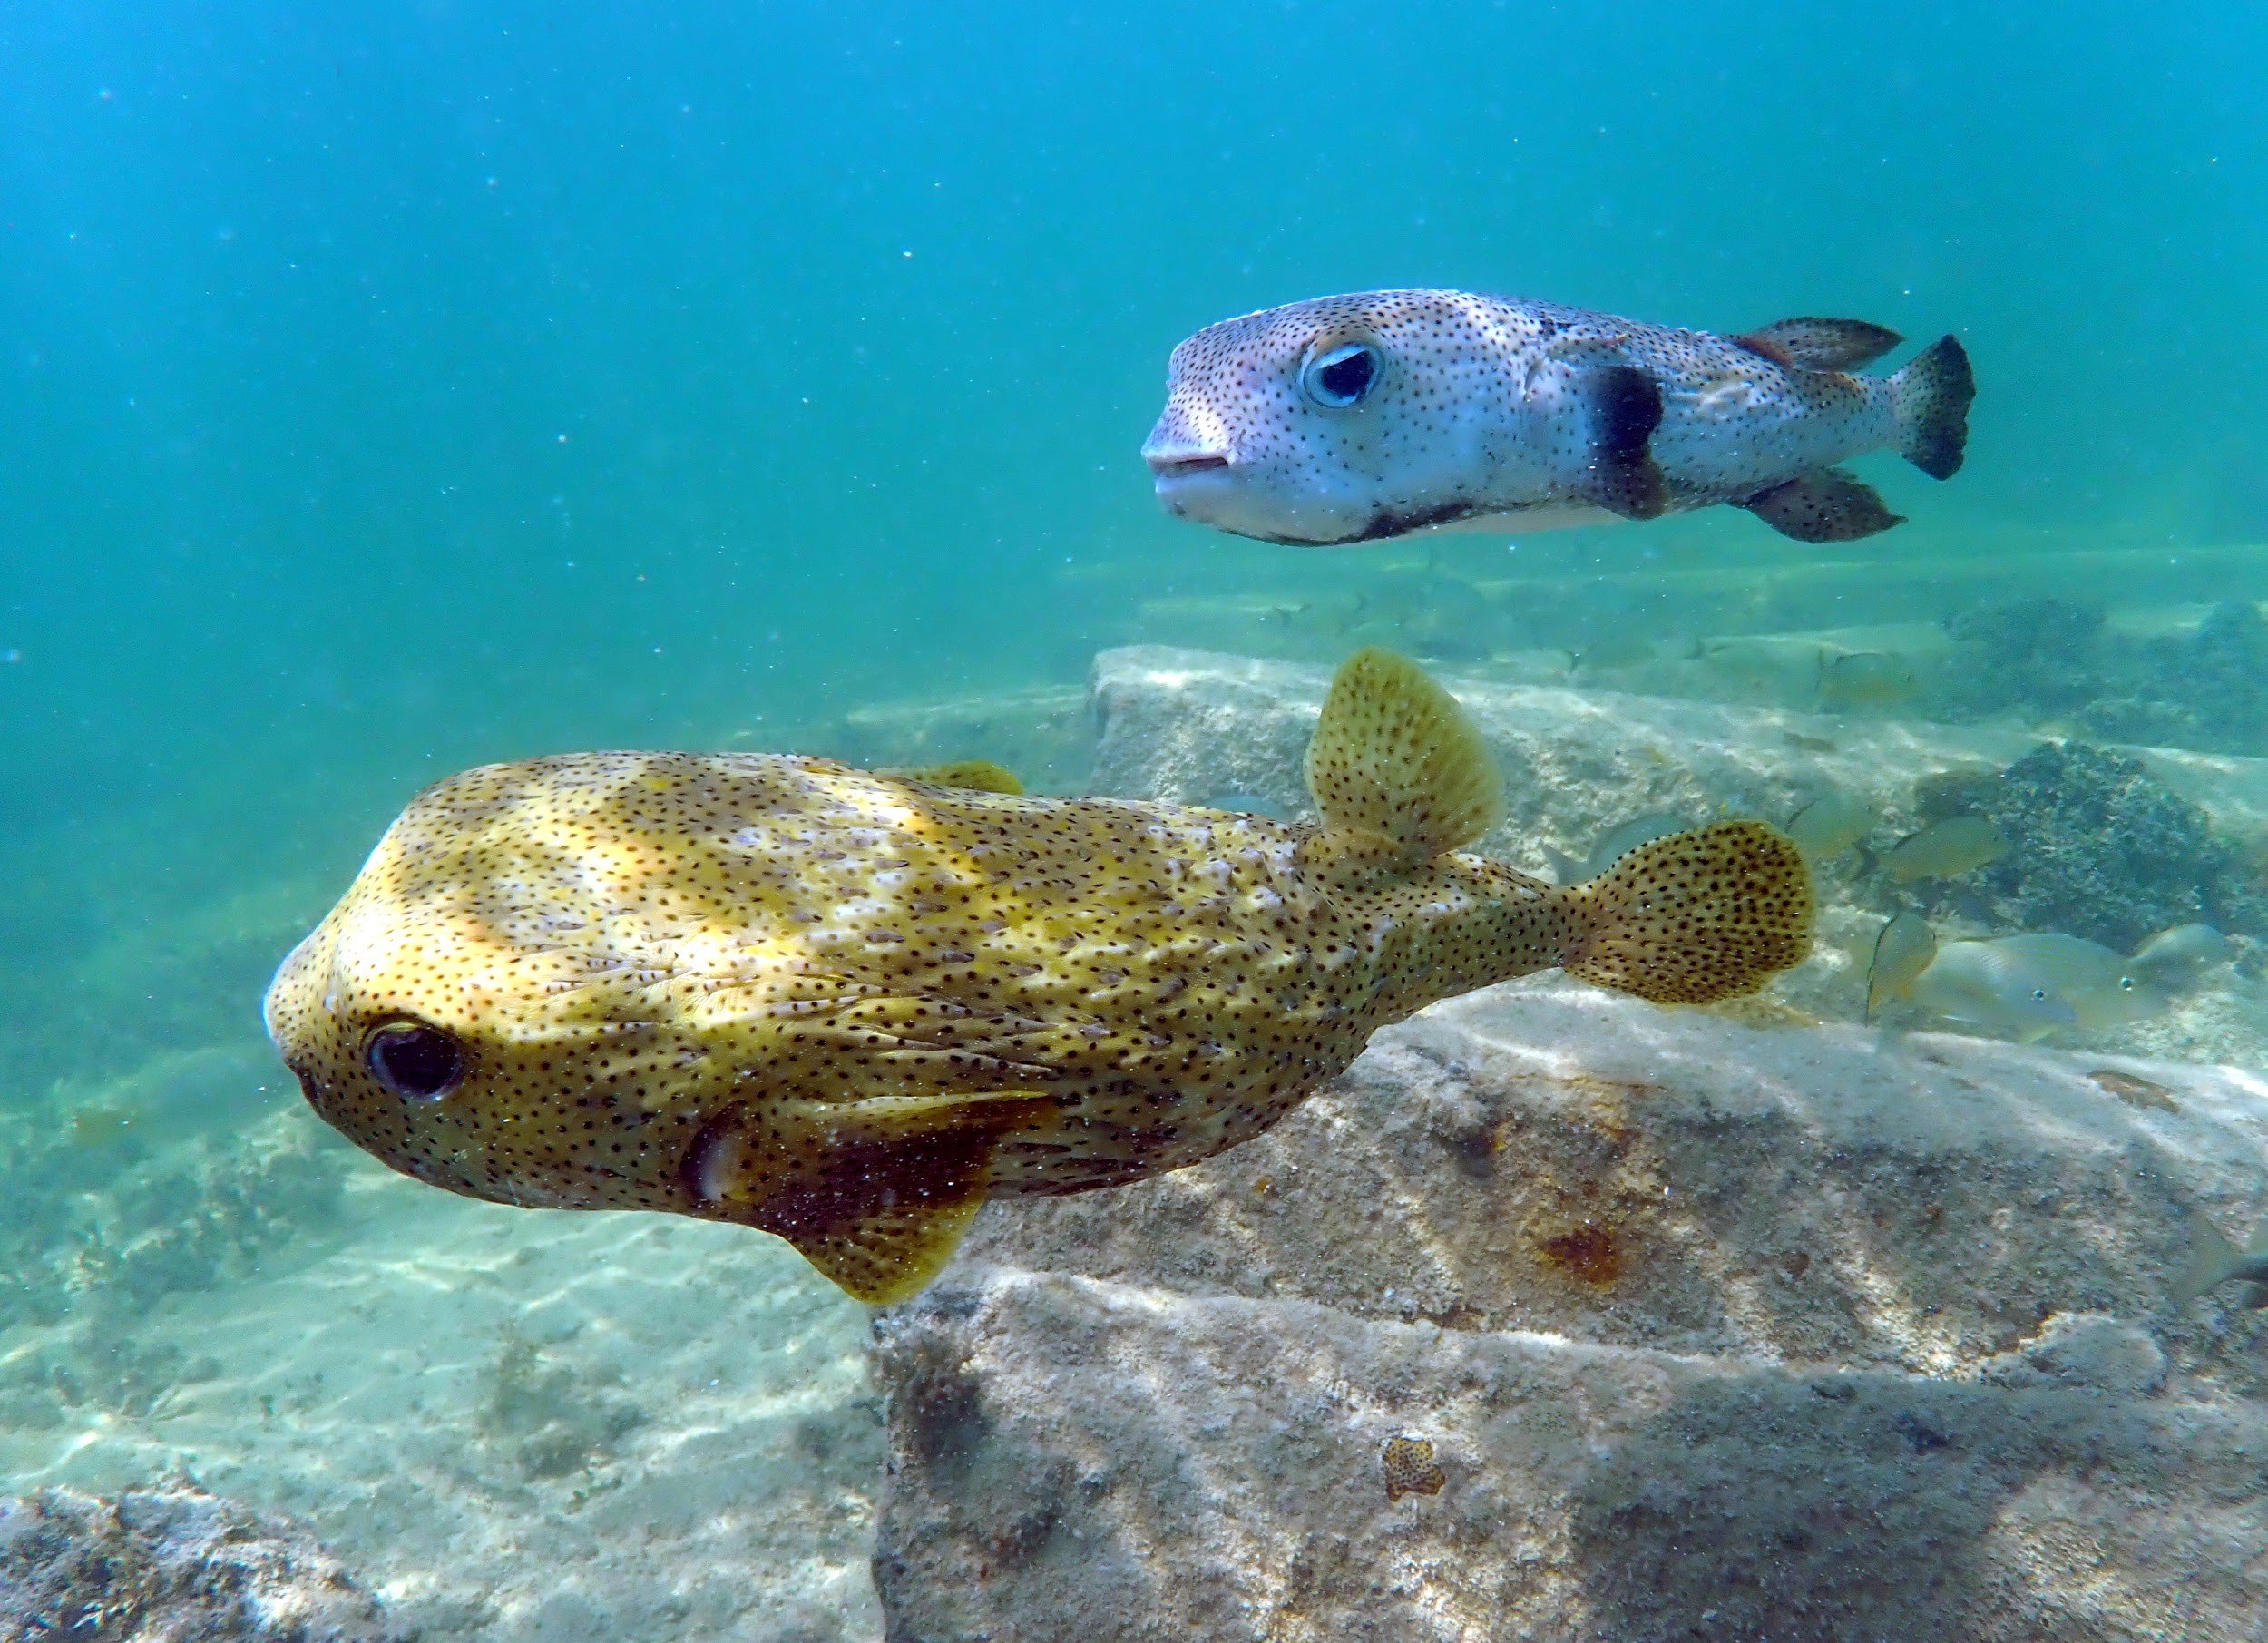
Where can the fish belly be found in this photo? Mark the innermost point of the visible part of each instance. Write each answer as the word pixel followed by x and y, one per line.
pixel 1526 517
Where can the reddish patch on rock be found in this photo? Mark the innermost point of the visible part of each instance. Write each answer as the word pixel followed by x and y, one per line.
pixel 1588 1252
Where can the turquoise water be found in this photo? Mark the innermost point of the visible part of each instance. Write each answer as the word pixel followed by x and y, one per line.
pixel 422 387
pixel 388 389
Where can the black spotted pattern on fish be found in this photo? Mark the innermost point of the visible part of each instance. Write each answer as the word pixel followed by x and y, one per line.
pixel 846 1008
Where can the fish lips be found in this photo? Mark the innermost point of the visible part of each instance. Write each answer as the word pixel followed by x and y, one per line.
pixel 1213 488
pixel 1188 474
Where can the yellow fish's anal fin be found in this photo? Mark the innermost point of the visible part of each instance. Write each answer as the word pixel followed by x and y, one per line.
pixel 892 1253
pixel 875 1193
pixel 977 775
pixel 1395 759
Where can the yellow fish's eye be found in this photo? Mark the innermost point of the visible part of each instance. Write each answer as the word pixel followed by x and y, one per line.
pixel 1340 376
pixel 415 1062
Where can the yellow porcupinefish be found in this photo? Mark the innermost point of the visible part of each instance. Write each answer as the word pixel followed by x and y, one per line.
pixel 1356 418
pixel 846 1008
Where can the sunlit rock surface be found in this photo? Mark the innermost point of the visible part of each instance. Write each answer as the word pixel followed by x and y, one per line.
pixel 174 1565
pixel 1719 1324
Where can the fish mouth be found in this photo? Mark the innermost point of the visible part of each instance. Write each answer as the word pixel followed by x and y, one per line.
pixel 1178 461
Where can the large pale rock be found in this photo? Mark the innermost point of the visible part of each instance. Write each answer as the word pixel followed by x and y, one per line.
pixel 1716 1331
pixel 1201 727
pixel 1725 1323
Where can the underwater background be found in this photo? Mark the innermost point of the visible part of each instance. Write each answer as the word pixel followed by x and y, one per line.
pixel 390 389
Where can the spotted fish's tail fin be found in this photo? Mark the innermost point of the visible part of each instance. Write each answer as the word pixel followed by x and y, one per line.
pixel 1932 394
pixel 1396 767
pixel 1697 917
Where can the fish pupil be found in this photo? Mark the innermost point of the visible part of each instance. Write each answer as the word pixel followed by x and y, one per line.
pixel 415 1062
pixel 1343 375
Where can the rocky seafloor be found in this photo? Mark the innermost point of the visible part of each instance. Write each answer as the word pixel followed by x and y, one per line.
pixel 1558 1316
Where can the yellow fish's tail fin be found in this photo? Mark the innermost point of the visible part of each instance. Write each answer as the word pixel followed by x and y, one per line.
pixel 1395 759
pixel 1698 916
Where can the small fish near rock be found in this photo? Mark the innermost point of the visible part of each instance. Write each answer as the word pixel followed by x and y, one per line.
pixel 847 1008
pixel 1830 825
pixel 1946 850
pixel 1373 416
pixel 1906 947
pixel 1864 679
pixel 2215 1260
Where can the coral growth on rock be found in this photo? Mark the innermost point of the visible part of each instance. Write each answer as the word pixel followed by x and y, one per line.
pixel 2206 687
pixel 173 1564
pixel 2101 850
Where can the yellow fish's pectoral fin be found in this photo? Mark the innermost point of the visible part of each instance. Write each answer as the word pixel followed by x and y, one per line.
pixel 890 1255
pixel 1395 759
pixel 875 1193
pixel 977 775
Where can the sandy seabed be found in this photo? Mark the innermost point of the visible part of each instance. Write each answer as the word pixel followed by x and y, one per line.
pixel 521 1425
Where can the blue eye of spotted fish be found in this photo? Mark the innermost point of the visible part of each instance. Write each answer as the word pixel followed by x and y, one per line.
pixel 415 1062
pixel 1342 375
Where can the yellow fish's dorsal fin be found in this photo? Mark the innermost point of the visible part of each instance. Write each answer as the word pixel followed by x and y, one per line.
pixel 1395 759
pixel 892 1253
pixel 978 775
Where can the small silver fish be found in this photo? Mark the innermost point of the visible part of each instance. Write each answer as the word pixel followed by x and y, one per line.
pixel 2216 1261
pixel 1905 949
pixel 1830 825
pixel 2174 958
pixel 1864 679
pixel 1362 417
pixel 1613 845
pixel 1981 985
pixel 1946 850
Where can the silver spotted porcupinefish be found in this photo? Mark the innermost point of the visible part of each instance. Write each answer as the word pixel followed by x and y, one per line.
pixel 846 1008
pixel 1357 418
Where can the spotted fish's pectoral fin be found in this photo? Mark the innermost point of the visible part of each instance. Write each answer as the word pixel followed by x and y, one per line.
pixel 1622 408
pixel 1397 763
pixel 892 1253
pixel 1830 505
pixel 976 775
pixel 1812 343
pixel 875 1193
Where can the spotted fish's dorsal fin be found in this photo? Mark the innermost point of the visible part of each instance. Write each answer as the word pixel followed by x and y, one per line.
pixel 976 775
pixel 1830 505
pixel 1812 343
pixel 1396 761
